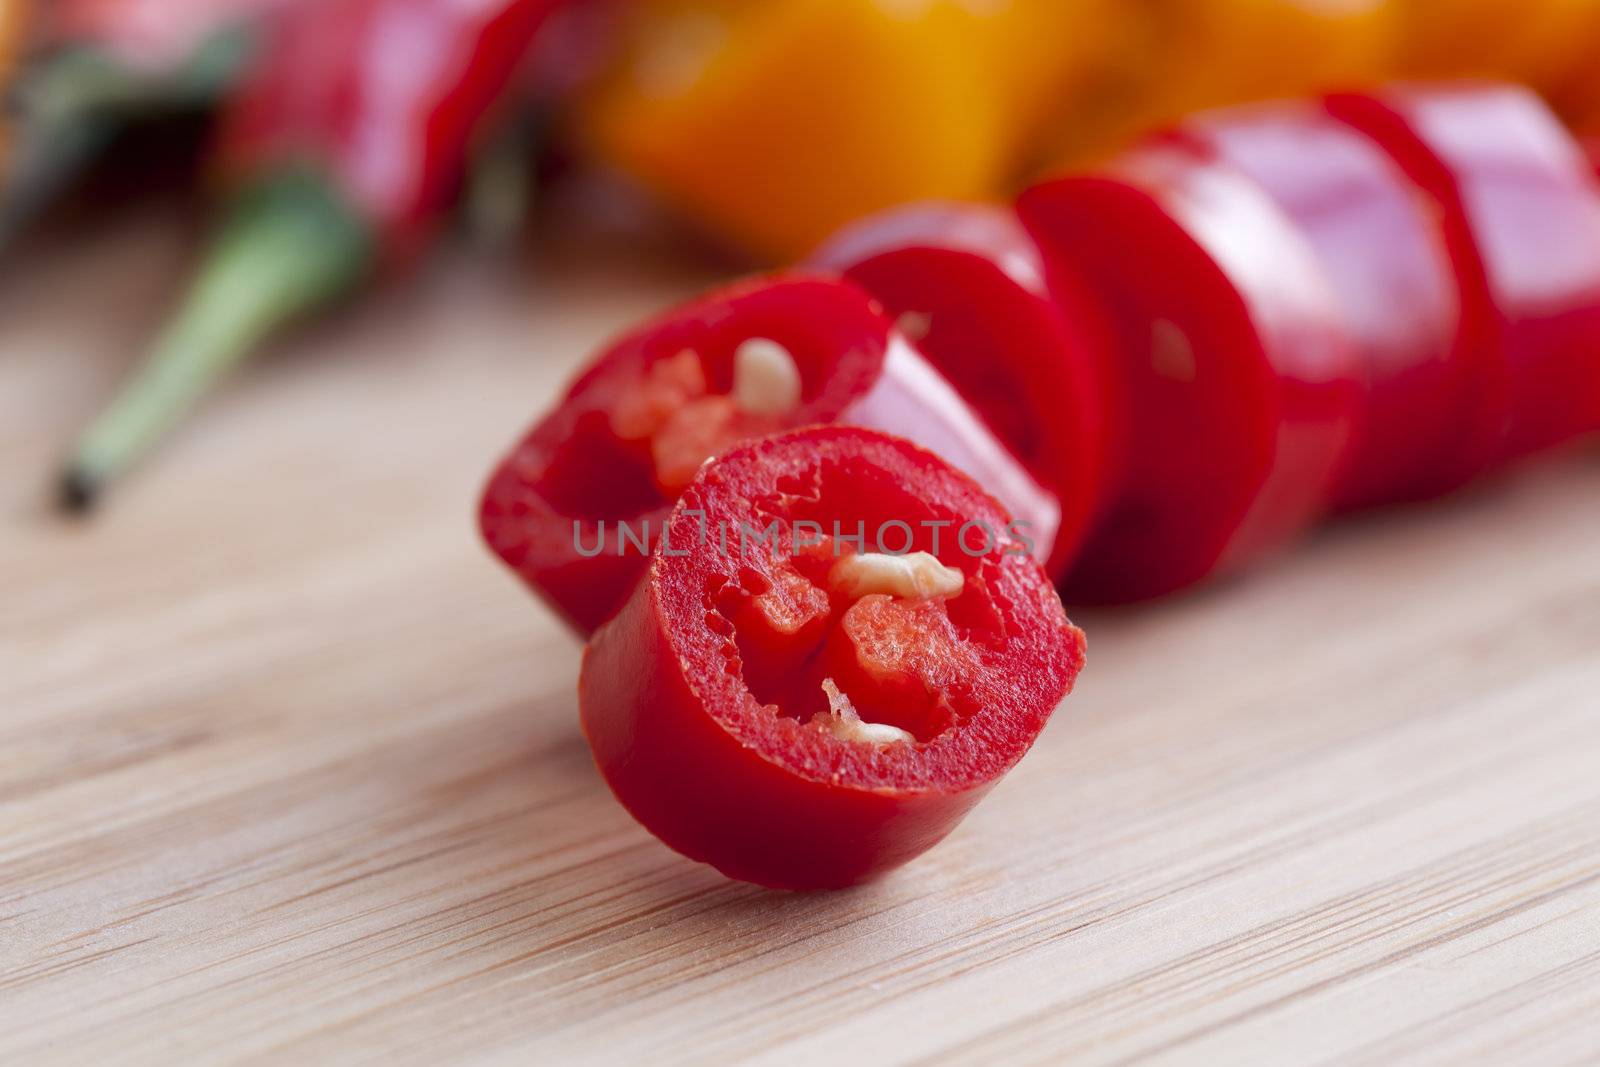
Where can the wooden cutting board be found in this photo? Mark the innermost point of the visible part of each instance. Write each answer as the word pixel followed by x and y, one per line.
pixel 289 769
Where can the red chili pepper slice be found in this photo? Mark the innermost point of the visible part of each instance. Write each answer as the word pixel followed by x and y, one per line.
pixel 1241 383
pixel 1027 351
pixel 1383 246
pixel 576 505
pixel 1522 211
pixel 806 714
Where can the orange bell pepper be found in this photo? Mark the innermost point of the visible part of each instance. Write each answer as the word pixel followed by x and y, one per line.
pixel 1176 57
pixel 1551 45
pixel 776 123
pixel 1458 38
pixel 1535 41
pixel 1561 59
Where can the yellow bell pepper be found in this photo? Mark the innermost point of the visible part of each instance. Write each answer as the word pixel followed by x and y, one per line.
pixel 1181 56
pixel 775 123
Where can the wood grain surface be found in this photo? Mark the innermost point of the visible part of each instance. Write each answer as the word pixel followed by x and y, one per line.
pixel 289 769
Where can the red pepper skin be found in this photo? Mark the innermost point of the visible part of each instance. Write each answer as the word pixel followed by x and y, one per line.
pixel 1522 210
pixel 747 781
pixel 1385 250
pixel 382 97
pixel 856 368
pixel 1242 385
pixel 1030 353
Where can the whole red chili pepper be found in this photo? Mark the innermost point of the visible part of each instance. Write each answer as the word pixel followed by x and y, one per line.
pixel 576 505
pixel 801 708
pixel 345 147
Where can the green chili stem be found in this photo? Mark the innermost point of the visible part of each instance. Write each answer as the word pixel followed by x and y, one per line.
pixel 291 246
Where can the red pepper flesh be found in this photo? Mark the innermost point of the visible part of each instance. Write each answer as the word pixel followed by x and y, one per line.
pixel 712 701
pixel 1383 246
pixel 1028 352
pixel 1522 210
pixel 604 468
pixel 1241 382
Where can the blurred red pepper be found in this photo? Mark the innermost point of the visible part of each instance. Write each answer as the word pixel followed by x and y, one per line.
pixel 344 148
pixel 380 101
pixel 804 713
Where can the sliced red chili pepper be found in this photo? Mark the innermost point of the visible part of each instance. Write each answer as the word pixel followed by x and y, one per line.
pixel 1241 383
pixel 1028 352
pixel 574 507
pixel 1383 245
pixel 804 713
pixel 1522 211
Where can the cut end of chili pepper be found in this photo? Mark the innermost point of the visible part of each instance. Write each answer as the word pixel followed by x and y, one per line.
pixel 684 422
pixel 576 507
pixel 838 653
pixel 290 246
